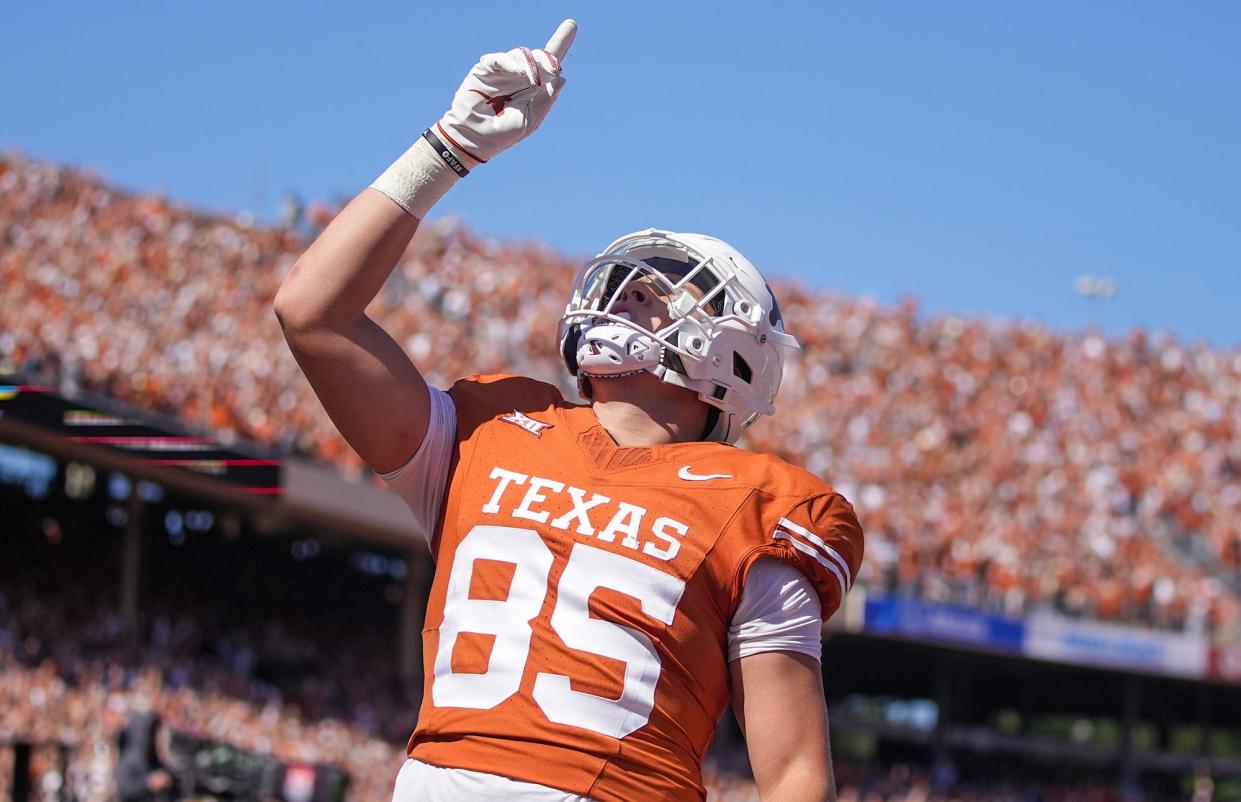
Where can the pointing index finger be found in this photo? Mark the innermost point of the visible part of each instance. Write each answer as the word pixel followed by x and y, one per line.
pixel 559 44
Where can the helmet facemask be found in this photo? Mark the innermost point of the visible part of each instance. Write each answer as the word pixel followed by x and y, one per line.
pixel 718 330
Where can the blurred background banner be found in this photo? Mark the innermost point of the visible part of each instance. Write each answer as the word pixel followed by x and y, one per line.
pixel 895 615
pixel 1052 637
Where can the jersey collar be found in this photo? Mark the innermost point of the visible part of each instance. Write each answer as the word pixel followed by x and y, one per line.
pixel 602 453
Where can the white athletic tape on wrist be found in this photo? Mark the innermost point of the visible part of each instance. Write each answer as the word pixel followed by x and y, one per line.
pixel 420 177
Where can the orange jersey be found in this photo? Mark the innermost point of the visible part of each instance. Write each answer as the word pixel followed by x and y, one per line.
pixel 578 620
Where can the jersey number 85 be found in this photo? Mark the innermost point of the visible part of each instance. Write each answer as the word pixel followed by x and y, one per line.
pixel 508 620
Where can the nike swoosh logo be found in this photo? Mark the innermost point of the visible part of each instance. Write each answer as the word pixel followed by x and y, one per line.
pixel 685 474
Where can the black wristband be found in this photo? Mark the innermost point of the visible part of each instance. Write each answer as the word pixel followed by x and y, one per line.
pixel 446 154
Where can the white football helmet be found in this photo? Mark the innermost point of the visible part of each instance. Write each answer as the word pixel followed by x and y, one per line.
pixel 724 337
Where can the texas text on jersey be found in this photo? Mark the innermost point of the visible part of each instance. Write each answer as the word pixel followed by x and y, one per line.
pixel 576 628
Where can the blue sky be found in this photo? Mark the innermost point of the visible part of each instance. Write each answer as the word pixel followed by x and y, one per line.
pixel 978 156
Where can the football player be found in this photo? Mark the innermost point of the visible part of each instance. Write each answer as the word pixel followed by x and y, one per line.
pixel 608 575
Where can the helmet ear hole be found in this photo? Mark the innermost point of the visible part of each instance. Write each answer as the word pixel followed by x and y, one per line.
pixel 741 368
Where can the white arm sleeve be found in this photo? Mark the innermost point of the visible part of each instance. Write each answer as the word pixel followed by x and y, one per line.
pixel 422 480
pixel 779 612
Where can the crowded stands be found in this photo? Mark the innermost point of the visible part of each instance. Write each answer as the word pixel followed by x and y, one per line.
pixel 294 665
pixel 1001 465
pixel 995 464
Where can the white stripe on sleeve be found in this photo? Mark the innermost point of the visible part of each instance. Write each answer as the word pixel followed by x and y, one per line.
pixel 822 546
pixel 780 534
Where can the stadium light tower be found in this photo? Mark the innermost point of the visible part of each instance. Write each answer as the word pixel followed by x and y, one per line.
pixel 1097 290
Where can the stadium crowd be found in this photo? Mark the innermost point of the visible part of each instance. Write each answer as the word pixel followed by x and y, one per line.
pixel 293 665
pixel 37 704
pixel 1000 465
pixel 238 641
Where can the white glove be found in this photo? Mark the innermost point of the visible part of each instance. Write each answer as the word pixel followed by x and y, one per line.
pixel 505 98
pixel 501 102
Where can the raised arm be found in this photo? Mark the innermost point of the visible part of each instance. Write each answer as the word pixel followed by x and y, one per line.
pixel 370 388
pixel 778 699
